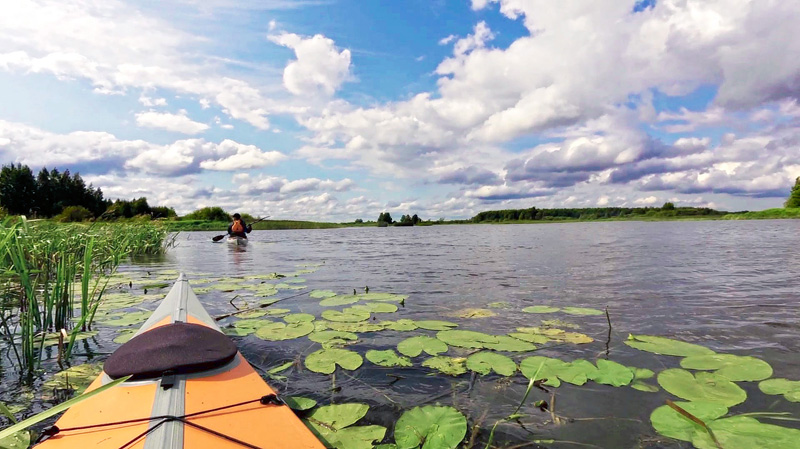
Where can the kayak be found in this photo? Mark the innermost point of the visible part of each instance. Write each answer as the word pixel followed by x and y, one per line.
pixel 237 241
pixel 190 388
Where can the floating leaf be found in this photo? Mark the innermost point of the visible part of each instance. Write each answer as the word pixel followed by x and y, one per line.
pixel 387 358
pixel 498 305
pixel 703 387
pixel 332 337
pixel 339 416
pixel 466 339
pixel 325 360
pixel 547 369
pixel 300 403
pixel 473 313
pixel 321 294
pixel 276 312
pixel 540 309
pixel 76 378
pixel 282 331
pixel 484 362
pixel 530 338
pixel 435 325
pixel 403 325
pixel 742 432
pixel 790 389
pixel 732 367
pixel 130 319
pixel 665 346
pixel 285 286
pixel 294 280
pixel 584 311
pixel 383 297
pixel 226 287
pixel 125 335
pixel 356 437
pixel 452 366
pixel 266 290
pixel 252 314
pixel 559 323
pixel 339 300
pixel 577 372
pixel 432 427
pixel 251 323
pixel 506 343
pixel 374 307
pixel 612 373
pixel 299 318
pixel 351 316
pixel 668 422
pixel 355 327
pixel 414 346
pixel 52 338
pixel 573 337
pixel 639 374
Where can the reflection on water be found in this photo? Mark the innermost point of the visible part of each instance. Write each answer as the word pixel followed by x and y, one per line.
pixel 730 286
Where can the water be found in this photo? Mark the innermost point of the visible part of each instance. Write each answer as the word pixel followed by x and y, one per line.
pixel 732 286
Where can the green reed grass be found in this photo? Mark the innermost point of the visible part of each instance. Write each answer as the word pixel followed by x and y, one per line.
pixel 49 272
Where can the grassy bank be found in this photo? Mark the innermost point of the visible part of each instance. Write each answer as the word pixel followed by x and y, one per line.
pixel 769 214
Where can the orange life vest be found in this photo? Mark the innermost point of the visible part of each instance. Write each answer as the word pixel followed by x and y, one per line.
pixel 237 226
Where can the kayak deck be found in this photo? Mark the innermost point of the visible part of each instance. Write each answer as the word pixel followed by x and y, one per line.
pixel 228 406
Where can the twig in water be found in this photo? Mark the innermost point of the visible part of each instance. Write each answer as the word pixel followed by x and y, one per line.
pixel 608 340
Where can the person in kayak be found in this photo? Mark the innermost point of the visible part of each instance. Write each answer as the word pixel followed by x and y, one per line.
pixel 239 228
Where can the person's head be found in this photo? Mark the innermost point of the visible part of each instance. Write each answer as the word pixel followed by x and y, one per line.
pixel 236 216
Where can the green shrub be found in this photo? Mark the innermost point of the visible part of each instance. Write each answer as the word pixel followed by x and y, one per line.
pixel 208 214
pixel 73 214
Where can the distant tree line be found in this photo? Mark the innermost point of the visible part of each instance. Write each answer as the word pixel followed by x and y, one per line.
pixel 593 213
pixel 385 219
pixel 794 196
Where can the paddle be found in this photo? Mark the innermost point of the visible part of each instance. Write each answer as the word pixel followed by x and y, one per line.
pixel 220 237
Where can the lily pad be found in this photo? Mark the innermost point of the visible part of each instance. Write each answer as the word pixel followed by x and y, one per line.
pixel 387 358
pixel 351 316
pixel 509 344
pixel 276 312
pixel 130 319
pixel 485 362
pixel 339 300
pixel 52 338
pixel 732 367
pixel 355 437
pixel 431 427
pixel 577 372
pixel 332 337
pixel 742 432
pixel 473 313
pixel 299 318
pixel 466 339
pixel 546 367
pixel 252 314
pixel 530 338
pixel 125 335
pixel 383 297
pixel 374 307
pixel 435 325
pixel 666 346
pixel 361 327
pixel 281 331
pixel 498 305
pixel 670 423
pixel 452 366
pixel 703 387
pixel 612 373
pixel 77 378
pixel 300 403
pixel 325 360
pixel 638 383
pixel 583 311
pixel 790 389
pixel 251 323
pixel 540 309
pixel 414 346
pixel 403 325
pixel 339 416
pixel 321 294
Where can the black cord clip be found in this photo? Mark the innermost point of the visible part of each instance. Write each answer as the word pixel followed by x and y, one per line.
pixel 272 399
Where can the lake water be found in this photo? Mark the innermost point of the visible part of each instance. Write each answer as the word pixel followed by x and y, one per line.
pixel 733 286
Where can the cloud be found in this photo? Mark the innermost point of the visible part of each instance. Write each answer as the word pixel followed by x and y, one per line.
pixel 242 157
pixel 179 122
pixel 319 68
pixel 470 175
pixel 285 187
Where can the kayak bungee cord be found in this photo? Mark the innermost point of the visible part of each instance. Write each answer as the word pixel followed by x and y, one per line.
pixel 270 399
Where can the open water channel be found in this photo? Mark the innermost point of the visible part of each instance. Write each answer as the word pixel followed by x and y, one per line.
pixel 731 286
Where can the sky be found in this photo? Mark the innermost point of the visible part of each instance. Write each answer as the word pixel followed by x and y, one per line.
pixel 334 110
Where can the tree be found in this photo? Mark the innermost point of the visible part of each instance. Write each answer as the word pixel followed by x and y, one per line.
pixel 209 213
pixel 359 221
pixel 17 189
pixel 668 206
pixel 794 197
pixel 385 217
pixel 415 219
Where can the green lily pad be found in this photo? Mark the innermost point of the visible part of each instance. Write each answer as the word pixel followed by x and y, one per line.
pixel 265 290
pixel 251 323
pixel 226 287
pixel 285 286
pixel 276 312
pixel 339 416
pixel 509 344
pixel 432 427
pixel 374 307
pixel 414 346
pixel 252 314
pixel 52 338
pixel 703 387
pixel 638 383
pixel 733 367
pixel 559 323
pixel 325 360
pixel 612 373
pixel 361 327
pixel 294 280
pixel 540 309
pixel 583 311
pixel 300 403
pixel 332 337
pixel 238 331
pixel 125 335
pixel 466 339
pixel 387 358
pixel 670 423
pixel 546 367
pixel 473 313
pixel 790 389
pixel 339 300
pixel 498 305
pixel 299 318
pixel 321 294
pixel 573 337
pixel 403 325
pixel 742 432
pixel 452 366
pixel 577 372
pixel 129 319
pixel 281 331
pixel 666 346
pixel 435 325
pixel 530 338
pixel 355 437
pixel 485 362
pixel 77 378
pixel 391 297
pixel 351 316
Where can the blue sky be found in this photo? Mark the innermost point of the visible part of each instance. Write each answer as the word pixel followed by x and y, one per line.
pixel 342 109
